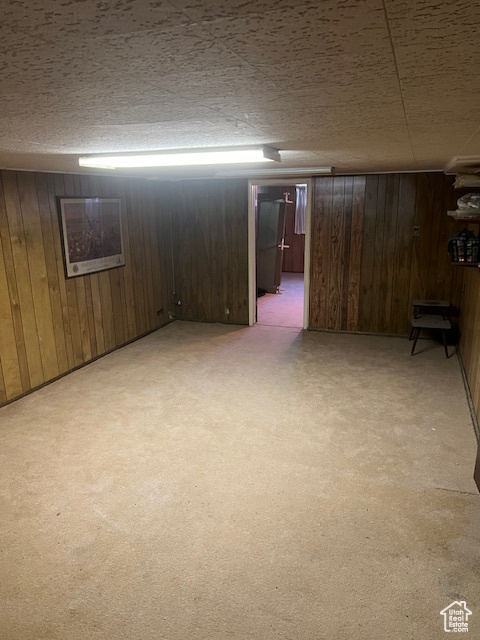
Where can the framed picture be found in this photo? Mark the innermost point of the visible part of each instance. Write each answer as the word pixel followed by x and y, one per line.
pixel 92 234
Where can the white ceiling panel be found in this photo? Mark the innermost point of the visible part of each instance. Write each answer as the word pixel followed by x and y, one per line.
pixel 368 86
pixel 213 10
pixel 54 21
pixel 337 28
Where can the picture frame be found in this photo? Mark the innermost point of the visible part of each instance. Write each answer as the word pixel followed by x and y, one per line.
pixel 92 235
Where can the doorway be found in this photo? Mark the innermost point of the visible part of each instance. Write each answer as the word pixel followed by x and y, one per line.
pixel 279 220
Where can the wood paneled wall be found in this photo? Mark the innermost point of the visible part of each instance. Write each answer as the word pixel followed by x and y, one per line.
pixel 50 324
pixel 470 333
pixel 210 247
pixel 366 264
pixel 470 344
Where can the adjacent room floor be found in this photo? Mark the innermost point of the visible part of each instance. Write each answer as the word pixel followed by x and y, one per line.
pixel 285 308
pixel 211 482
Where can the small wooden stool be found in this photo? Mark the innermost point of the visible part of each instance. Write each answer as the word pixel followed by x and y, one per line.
pixel 427 321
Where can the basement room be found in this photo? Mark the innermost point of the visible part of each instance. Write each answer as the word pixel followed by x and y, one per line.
pixel 239 320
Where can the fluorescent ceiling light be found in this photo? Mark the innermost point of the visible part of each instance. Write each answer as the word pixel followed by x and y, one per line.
pixel 277 171
pixel 182 158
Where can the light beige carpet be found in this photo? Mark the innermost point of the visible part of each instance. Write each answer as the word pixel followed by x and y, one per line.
pixel 285 308
pixel 223 483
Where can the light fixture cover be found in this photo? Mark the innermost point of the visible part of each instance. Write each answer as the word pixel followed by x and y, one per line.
pixel 275 171
pixel 179 158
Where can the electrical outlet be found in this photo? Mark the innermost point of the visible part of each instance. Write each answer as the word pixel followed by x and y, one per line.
pixel 227 311
pixel 416 231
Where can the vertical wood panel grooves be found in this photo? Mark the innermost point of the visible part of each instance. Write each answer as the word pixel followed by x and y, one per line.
pixel 209 232
pixel 366 264
pixel 50 324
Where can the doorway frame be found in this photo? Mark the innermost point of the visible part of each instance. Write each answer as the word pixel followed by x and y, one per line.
pixel 252 242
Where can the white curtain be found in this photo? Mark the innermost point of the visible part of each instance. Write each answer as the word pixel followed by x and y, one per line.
pixel 300 209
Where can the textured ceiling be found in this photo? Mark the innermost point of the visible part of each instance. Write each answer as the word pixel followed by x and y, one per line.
pixel 373 85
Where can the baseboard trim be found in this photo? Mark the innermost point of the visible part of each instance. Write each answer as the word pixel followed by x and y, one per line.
pixel 360 333
pixel 471 407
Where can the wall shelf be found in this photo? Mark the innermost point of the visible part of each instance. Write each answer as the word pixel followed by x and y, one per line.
pixel 459 214
pixel 466 264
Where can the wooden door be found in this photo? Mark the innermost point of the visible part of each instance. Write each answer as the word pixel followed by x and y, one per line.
pixel 270 230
